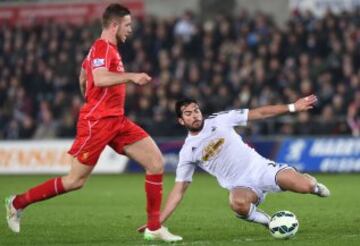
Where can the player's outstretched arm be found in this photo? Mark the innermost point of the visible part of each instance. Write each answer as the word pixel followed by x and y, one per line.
pixel 173 200
pixel 105 78
pixel 302 104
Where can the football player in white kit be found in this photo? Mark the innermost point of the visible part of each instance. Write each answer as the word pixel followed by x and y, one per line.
pixel 213 145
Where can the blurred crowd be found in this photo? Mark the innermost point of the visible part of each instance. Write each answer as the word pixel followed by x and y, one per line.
pixel 243 61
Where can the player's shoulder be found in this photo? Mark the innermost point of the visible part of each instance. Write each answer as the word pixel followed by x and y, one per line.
pixel 185 153
pixel 185 148
pixel 85 63
pixel 225 113
pixel 215 118
pixel 100 41
pixel 100 44
pixel 220 113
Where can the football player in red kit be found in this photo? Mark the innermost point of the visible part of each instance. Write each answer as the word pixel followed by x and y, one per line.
pixel 102 122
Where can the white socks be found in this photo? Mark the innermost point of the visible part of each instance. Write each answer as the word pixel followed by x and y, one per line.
pixel 256 215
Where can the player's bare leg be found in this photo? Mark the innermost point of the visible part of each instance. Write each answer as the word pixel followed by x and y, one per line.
pixel 289 179
pixel 77 176
pixel 148 155
pixel 242 202
pixel 74 180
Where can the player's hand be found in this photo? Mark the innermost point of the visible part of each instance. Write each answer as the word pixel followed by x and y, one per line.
pixel 140 78
pixel 141 229
pixel 305 103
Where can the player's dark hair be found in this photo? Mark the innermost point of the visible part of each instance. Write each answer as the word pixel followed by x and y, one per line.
pixel 112 11
pixel 183 102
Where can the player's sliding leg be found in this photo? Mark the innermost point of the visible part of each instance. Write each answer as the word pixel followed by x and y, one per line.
pixel 75 179
pixel 147 154
pixel 289 179
pixel 242 202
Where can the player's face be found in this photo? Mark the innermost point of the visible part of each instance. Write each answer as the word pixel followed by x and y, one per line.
pixel 192 117
pixel 124 29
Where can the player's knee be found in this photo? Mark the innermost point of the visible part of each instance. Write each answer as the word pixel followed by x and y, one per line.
pixel 79 184
pixel 240 206
pixel 73 183
pixel 156 165
pixel 155 169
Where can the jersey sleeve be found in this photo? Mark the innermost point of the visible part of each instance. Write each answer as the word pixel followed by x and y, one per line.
pixel 100 55
pixel 238 117
pixel 185 168
pixel 84 64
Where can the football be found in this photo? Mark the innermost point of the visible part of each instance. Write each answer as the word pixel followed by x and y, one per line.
pixel 283 225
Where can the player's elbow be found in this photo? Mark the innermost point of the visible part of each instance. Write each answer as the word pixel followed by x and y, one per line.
pixel 178 196
pixel 181 188
pixel 99 78
pixel 82 82
pixel 99 81
pixel 256 115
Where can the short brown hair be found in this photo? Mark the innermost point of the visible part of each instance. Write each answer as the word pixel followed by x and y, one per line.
pixel 112 11
pixel 183 102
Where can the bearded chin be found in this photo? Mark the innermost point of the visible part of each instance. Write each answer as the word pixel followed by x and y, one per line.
pixel 196 129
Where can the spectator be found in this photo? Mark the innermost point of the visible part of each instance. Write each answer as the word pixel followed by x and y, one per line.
pixel 246 61
pixel 184 27
pixel 353 115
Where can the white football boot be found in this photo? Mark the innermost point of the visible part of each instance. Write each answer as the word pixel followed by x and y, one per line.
pixel 162 234
pixel 320 190
pixel 12 214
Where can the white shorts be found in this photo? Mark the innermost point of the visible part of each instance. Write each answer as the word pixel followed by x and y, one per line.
pixel 262 181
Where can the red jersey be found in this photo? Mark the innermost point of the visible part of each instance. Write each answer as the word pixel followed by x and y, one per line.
pixel 103 101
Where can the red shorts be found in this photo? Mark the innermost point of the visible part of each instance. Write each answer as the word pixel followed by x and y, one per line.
pixel 93 135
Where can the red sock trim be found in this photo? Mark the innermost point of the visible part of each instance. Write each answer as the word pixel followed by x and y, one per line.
pixel 154 177
pixel 59 187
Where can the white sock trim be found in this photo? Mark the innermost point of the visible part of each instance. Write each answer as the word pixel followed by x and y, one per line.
pixel 257 216
pixel 316 189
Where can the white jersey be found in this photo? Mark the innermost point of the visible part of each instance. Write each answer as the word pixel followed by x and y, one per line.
pixel 220 151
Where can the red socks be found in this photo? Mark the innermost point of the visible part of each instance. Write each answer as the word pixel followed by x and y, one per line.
pixel 153 188
pixel 50 188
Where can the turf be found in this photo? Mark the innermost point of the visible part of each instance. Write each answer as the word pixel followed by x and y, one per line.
pixel 109 208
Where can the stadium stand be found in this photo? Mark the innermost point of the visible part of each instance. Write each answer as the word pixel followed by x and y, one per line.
pixel 246 61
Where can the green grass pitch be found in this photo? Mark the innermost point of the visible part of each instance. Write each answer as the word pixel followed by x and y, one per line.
pixel 109 208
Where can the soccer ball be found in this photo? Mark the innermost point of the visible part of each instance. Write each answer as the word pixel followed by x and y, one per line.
pixel 283 224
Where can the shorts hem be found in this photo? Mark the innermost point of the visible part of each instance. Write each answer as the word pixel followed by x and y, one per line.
pixel 278 171
pixel 137 139
pixel 82 162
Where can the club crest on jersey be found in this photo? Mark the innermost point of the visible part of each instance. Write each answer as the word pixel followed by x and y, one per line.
pixel 98 62
pixel 212 149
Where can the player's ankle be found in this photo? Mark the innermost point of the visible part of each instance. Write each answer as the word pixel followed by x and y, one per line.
pixel 154 227
pixel 19 202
